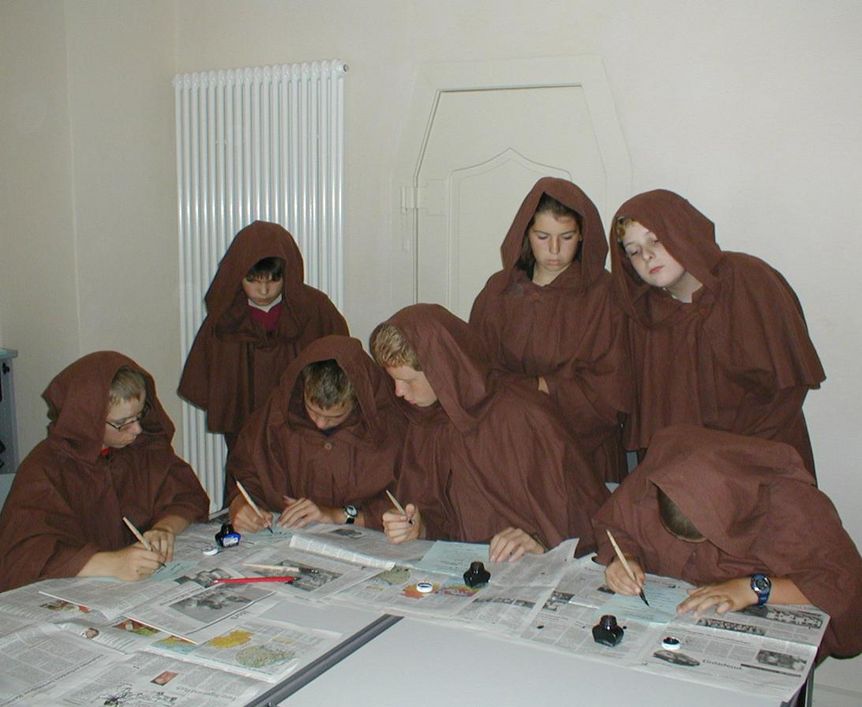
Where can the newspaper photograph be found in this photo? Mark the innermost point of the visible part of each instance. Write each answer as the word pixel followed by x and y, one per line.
pixel 184 616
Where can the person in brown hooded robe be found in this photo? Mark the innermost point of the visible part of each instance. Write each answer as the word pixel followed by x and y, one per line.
pixel 481 462
pixel 108 455
pixel 324 447
pixel 717 339
pixel 549 322
pixel 238 354
pixel 715 509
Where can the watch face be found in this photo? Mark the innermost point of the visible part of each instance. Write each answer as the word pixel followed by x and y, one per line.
pixel 761 584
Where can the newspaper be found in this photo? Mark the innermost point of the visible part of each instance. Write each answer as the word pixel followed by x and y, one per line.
pixel 766 651
pixel 317 576
pixel 252 646
pixel 40 657
pixel 147 680
pixel 402 590
pixel 178 606
pixel 185 616
pixel 361 546
pixel 122 635
pixel 28 605
pixel 515 594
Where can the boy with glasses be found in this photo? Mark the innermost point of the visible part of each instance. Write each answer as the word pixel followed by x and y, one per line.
pixel 107 456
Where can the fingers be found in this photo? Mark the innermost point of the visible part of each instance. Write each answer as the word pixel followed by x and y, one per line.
pixel 162 542
pixel 620 582
pixel 245 520
pixel 136 563
pixel 512 544
pixel 300 513
pixel 727 596
pixel 402 527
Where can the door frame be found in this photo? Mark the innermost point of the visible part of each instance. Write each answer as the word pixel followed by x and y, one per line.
pixel 434 79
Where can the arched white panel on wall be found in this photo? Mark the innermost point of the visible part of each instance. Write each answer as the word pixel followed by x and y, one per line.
pixel 431 259
pixel 480 212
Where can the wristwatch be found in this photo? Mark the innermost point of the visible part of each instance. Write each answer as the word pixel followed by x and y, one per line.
pixel 350 512
pixel 762 586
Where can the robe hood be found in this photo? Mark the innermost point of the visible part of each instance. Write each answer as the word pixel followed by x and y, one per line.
pixel 686 234
pixel 589 262
pixel 720 481
pixel 255 242
pixel 452 357
pixel 370 384
pixel 78 403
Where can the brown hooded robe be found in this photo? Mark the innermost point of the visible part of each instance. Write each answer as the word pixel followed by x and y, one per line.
pixel 234 363
pixel 568 331
pixel 485 457
pixel 281 452
pixel 68 501
pixel 737 358
pixel 759 510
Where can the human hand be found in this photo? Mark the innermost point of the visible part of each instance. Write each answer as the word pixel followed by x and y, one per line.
pixel 732 595
pixel 132 563
pixel 299 512
pixel 162 541
pixel 402 527
pixel 244 519
pixel 618 579
pixel 512 544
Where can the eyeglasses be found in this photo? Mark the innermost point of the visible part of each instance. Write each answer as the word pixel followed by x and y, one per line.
pixel 126 424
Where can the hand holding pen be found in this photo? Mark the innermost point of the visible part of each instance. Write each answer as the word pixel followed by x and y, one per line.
pixel 247 523
pixel 626 576
pixel 402 524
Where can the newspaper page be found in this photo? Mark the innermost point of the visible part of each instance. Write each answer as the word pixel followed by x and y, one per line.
pixel 122 635
pixel 403 590
pixel 362 546
pixel 26 606
pixel 515 594
pixel 147 680
pixel 252 646
pixel 317 577
pixel 765 650
pixel 113 598
pixel 566 626
pixel 730 659
pixel 41 656
pixel 185 616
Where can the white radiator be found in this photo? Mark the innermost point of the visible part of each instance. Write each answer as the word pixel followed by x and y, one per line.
pixel 260 143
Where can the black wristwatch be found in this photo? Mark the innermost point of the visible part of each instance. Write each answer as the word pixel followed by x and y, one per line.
pixel 762 586
pixel 350 512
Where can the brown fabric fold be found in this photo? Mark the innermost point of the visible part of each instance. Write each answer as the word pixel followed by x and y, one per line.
pixel 281 452
pixel 485 456
pixel 568 331
pixel 234 363
pixel 737 358
pixel 757 505
pixel 67 501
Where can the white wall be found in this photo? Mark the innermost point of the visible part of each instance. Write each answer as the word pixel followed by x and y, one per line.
pixel 749 109
pixel 88 217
